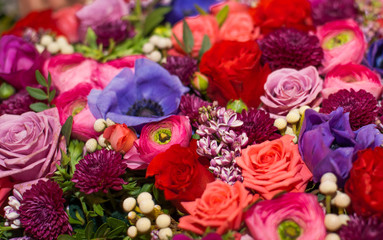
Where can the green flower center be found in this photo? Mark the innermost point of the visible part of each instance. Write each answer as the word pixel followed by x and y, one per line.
pixel 289 230
pixel 338 40
pixel 162 136
pixel 77 107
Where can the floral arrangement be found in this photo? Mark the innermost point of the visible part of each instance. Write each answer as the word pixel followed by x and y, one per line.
pixel 198 119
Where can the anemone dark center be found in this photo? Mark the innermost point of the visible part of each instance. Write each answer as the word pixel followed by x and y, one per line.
pixel 145 108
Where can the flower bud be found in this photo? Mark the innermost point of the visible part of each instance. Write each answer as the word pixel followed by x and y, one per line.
pixel 163 221
pixel 332 222
pixel 148 48
pixel 129 204
pixel 236 105
pixel 99 125
pixel 280 123
pixel 332 236
pixel 143 196
pixel 328 177
pixel 165 234
pixel 200 82
pixel 91 145
pixel 132 232
pixel 143 225
pixel 146 206
pixel 6 90
pixel 328 188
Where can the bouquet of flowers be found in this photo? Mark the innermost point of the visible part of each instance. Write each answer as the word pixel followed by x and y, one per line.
pixel 197 119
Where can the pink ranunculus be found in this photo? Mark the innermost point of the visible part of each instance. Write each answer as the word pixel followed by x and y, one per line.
pixel 342 42
pixel 29 145
pixel 352 76
pixel 239 27
pixel 286 89
pixel 158 137
pixel 99 12
pixel 297 214
pixel 68 70
pixel 67 22
pixel 74 103
pixel 234 7
pixel 200 26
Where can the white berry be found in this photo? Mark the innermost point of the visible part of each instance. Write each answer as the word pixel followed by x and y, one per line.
pixel 46 40
pixel 292 117
pixel 155 56
pixel 91 145
pixel 99 125
pixel 316 109
pixel 132 215
pixel 303 109
pixel 109 122
pixel 332 222
pixel 144 195
pixel 332 236
pixel 162 43
pixel 280 123
pixel 328 188
pixel 165 234
pixel 146 206
pixel 154 39
pixel 40 48
pixel 53 48
pixel 101 140
pixel 143 225
pixel 148 48
pixel 163 221
pixel 61 41
pixel 67 49
pixel 132 232
pixel 129 204
pixel 342 200
pixel 344 219
pixel 329 176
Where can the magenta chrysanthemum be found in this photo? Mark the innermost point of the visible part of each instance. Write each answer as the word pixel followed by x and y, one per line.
pixel 291 48
pixel 182 67
pixel 361 105
pixel 190 106
pixel 100 171
pixel 329 10
pixel 17 104
pixel 359 228
pixel 42 211
pixel 258 126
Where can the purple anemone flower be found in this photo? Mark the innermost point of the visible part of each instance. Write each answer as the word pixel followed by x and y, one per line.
pixel 374 58
pixel 150 94
pixel 328 144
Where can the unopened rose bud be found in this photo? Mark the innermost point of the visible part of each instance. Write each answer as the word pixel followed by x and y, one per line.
pixel 236 105
pixel 200 82
pixel 6 90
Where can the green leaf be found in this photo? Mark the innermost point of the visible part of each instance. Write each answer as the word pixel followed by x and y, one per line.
pixel 180 43
pixel 116 232
pixel 91 38
pixel 65 237
pixel 187 37
pixel 147 187
pixel 200 10
pixel 102 231
pixel 52 95
pixel 66 130
pixel 37 93
pixel 98 209
pixel 196 136
pixel 38 107
pixel 40 79
pixel 65 159
pixel 49 80
pixel 115 223
pixel 321 197
pixel 154 19
pixel 206 45
pixel 222 15
pixel 89 230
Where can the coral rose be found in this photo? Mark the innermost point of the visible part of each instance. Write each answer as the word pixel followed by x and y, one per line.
pixel 234 7
pixel 67 22
pixel 200 26
pixel 352 76
pixel 273 167
pixel 342 42
pixel 287 88
pixel 179 172
pixel 120 137
pixel 221 207
pixel 365 185
pixel 235 72
pixel 238 27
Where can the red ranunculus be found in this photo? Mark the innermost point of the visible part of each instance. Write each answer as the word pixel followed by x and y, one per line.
pixel 235 72
pixel 35 20
pixel 273 14
pixel 179 172
pixel 365 185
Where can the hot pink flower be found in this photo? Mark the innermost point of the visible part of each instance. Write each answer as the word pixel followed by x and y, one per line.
pixel 352 76
pixel 158 137
pixel 342 42
pixel 68 70
pixel 297 214
pixel 74 103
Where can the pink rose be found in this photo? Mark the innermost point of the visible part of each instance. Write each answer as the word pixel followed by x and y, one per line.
pixel 342 42
pixel 75 103
pixel 158 137
pixel 200 26
pixel 290 216
pixel 286 89
pixel 29 145
pixel 234 7
pixel 67 22
pixel 352 76
pixel 239 27
pixel 68 70
pixel 120 137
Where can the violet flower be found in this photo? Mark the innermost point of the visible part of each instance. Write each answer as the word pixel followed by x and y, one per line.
pixel 328 144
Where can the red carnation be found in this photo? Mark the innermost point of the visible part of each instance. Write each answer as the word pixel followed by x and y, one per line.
pixel 235 72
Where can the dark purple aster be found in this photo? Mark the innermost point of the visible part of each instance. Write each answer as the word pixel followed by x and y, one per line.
pixel 210 236
pixel 258 126
pixel 17 104
pixel 360 228
pixel 42 211
pixel 190 105
pixel 117 30
pixel 328 144
pixel 100 171
pixel 329 10
pixel 291 48
pixel 361 105
pixel 183 67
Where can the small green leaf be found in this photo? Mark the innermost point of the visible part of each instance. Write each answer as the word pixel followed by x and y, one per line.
pixel 37 93
pixel 89 230
pixel 187 37
pixel 115 223
pixel 147 187
pixel 40 79
pixel 154 19
pixel 196 136
pixel 98 209
pixel 180 43
pixel 49 80
pixel 52 95
pixel 66 130
pixel 91 38
pixel 102 231
pixel 200 10
pixel 38 107
pixel 115 232
pixel 206 45
pixel 222 15
pixel 65 237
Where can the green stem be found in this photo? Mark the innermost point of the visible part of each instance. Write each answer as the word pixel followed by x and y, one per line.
pixel 138 9
pixel 328 203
